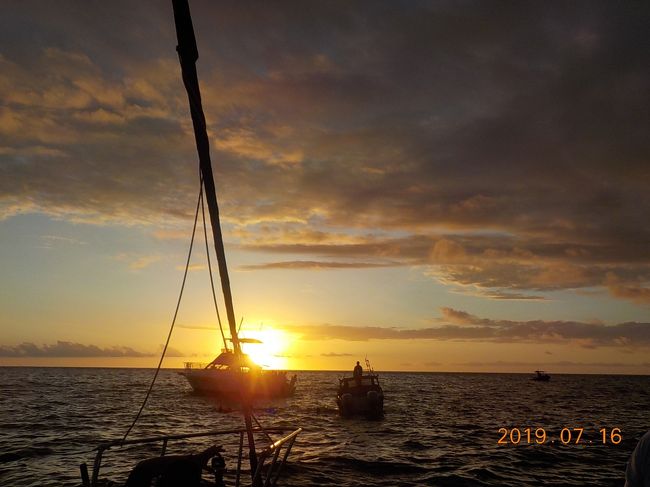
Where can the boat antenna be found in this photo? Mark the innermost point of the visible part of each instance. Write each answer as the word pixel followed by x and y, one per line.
pixel 188 54
pixel 370 368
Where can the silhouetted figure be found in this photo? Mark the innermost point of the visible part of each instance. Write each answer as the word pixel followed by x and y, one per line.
pixel 357 372
pixel 218 465
pixel 637 473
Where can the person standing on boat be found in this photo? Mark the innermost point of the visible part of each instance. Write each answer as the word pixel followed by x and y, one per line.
pixel 357 372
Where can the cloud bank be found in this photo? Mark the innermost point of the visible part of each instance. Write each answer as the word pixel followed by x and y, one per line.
pixel 72 349
pixel 68 349
pixel 461 326
pixel 504 150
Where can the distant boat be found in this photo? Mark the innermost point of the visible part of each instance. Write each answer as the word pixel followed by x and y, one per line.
pixel 541 376
pixel 234 376
pixel 361 396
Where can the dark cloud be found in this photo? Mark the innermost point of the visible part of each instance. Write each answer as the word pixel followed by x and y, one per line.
pixel 493 266
pixel 633 290
pixel 334 354
pixel 462 326
pixel 509 296
pixel 550 365
pixel 71 349
pixel 172 352
pixel 312 264
pixel 508 145
pixel 197 327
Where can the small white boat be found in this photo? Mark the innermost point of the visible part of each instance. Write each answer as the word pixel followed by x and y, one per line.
pixel 235 376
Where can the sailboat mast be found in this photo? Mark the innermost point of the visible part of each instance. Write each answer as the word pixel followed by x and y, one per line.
pixel 188 55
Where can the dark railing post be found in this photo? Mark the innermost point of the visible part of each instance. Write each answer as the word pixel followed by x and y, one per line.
pixel 97 465
pixel 85 479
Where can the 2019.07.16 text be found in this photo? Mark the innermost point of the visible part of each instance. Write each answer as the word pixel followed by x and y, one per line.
pixel 565 436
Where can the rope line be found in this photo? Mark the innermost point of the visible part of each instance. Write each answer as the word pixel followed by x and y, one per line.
pixel 178 304
pixel 261 427
pixel 207 253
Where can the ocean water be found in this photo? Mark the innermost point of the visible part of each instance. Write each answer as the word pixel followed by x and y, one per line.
pixel 439 429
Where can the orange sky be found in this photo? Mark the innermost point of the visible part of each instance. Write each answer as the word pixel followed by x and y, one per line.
pixel 411 185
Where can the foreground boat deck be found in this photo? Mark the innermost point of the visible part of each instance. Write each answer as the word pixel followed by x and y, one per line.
pixel 271 459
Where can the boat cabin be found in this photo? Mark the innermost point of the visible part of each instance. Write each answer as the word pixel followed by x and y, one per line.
pixel 365 381
pixel 228 360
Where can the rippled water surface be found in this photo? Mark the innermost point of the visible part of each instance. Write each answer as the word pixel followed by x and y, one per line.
pixel 439 429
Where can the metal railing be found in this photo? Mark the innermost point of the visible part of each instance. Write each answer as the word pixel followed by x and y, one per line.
pixel 266 474
pixel 271 472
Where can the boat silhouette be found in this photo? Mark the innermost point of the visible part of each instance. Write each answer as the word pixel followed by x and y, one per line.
pixel 361 395
pixel 231 376
pixel 541 376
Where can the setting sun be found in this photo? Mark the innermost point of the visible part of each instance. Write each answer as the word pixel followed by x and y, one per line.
pixel 271 353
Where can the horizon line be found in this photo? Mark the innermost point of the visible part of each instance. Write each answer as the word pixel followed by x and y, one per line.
pixel 329 370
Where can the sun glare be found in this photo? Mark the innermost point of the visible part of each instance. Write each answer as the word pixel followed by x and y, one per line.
pixel 271 353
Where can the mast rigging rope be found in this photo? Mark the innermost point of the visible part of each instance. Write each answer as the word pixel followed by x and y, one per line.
pixel 207 253
pixel 178 304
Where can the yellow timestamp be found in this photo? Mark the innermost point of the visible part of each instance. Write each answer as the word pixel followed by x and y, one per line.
pixel 566 436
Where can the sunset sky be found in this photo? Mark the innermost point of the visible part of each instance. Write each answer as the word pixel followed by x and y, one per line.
pixel 438 186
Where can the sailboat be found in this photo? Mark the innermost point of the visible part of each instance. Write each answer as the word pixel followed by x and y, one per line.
pixel 266 463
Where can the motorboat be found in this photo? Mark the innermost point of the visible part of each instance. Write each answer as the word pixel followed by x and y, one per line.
pixel 234 376
pixel 360 396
